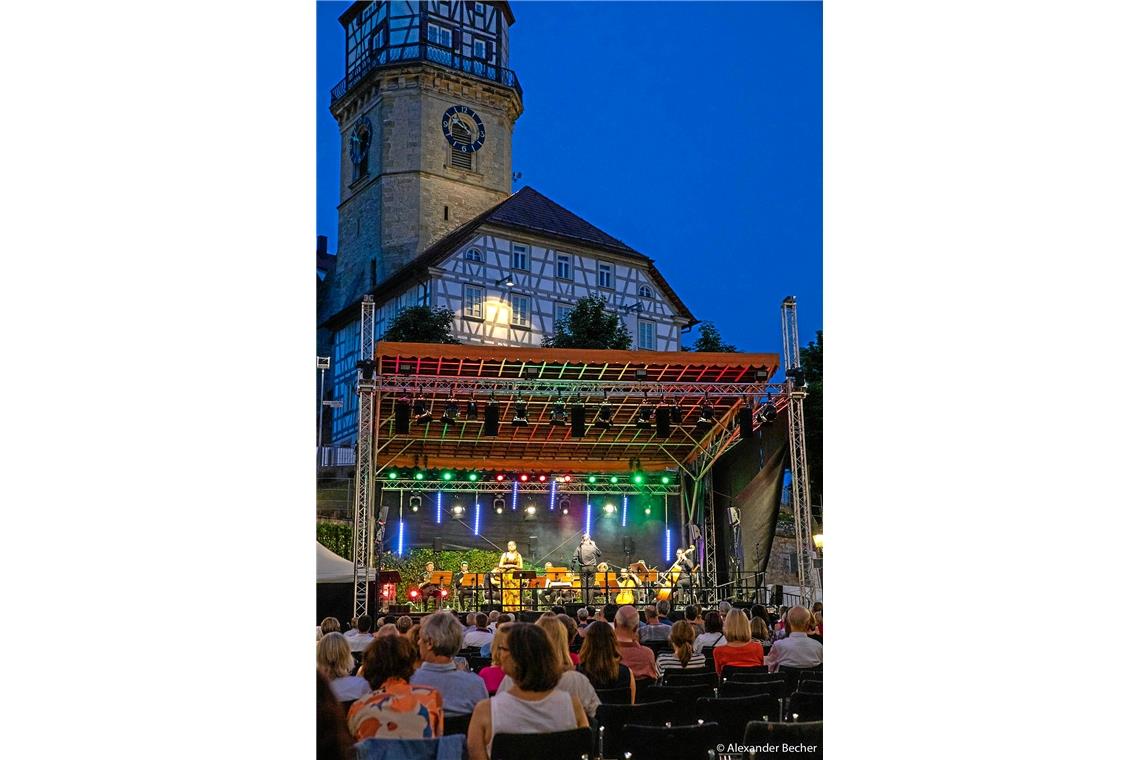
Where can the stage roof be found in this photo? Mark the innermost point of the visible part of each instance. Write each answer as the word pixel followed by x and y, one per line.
pixel 626 381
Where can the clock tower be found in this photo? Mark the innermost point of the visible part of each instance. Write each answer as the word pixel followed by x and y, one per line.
pixel 426 111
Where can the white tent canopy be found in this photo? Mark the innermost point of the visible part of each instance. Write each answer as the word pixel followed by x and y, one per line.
pixel 332 568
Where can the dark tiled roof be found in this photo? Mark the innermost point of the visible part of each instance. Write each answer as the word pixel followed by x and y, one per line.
pixel 527 210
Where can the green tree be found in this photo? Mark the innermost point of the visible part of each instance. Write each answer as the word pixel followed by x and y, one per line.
pixel 710 340
pixel 590 324
pixel 421 324
pixel 811 359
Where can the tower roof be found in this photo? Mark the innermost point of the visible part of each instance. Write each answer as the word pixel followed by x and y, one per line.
pixel 529 211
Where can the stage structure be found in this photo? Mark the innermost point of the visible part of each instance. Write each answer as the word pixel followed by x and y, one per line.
pixel 430 408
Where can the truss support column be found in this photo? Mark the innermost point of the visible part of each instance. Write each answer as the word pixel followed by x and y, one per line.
pixel 365 450
pixel 801 493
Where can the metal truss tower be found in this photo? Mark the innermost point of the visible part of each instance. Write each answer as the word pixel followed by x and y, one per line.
pixel 365 448
pixel 801 494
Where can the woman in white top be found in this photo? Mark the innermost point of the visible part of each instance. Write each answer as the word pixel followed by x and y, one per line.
pixel 714 633
pixel 531 703
pixel 571 680
pixel 334 660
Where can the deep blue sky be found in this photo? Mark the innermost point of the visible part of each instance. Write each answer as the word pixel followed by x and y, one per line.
pixel 691 131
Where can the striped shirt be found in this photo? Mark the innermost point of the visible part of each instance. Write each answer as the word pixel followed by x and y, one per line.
pixel 669 660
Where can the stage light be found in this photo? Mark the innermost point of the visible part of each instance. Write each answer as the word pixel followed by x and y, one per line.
pixel 413 593
pixel 458 510
pixel 392 474
pixel 414 502
pixel 472 410
pixel 817 539
pixel 564 505
pixel 609 509
pixel 520 414
pixel 707 415
pixel 499 509
pixel 605 416
pixel 443 593
pixel 613 478
pixel 665 480
pixel 500 477
pixel 649 510
pixel 447 475
pixel 473 476
pixel 524 477
pixel 499 504
pixel 558 414
pixel 644 418
pixel 768 414
pixel 675 414
pixel 450 413
pixel 638 478
pixel 420 409
pixel 531 509
pixel 541 478
pixel 367 368
pixel 419 475
pixel 593 478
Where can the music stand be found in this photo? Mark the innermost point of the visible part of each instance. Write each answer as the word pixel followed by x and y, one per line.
pixel 607 581
pixel 387 582
pixel 524 575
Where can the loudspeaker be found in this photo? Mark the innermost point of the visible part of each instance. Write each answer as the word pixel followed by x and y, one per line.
pixel 491 419
pixel 437 544
pixel 577 420
pixel 777 595
pixel 627 545
pixel 664 426
pixel 744 422
pixel 403 418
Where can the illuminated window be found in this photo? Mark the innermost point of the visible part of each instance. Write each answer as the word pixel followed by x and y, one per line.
pixel 473 301
pixel 520 310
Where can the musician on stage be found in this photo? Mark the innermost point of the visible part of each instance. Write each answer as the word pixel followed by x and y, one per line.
pixel 464 595
pixel 509 561
pixel 427 588
pixel 688 578
pixel 586 557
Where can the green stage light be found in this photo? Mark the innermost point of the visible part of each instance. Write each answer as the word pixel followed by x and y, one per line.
pixel 638 478
pixel 447 475
pixel 593 479
pixel 648 510
pixel 613 478
pixel 419 476
pixel 664 480
pixel 473 476
pixel 392 475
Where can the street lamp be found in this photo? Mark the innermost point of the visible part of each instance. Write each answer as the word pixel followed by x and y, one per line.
pixel 322 365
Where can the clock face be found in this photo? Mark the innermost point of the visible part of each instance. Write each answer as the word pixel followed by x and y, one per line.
pixel 463 129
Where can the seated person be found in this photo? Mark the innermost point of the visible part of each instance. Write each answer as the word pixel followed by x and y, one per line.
pixel 493 674
pixel 682 654
pixel 570 681
pixel 654 629
pixel 395 709
pixel 361 635
pixel 714 632
pixel 740 649
pixel 600 661
pixel 480 634
pixel 797 650
pixel 440 636
pixel 334 662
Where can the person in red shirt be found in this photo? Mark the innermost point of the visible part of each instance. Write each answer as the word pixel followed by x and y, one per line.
pixel 741 649
pixel 639 659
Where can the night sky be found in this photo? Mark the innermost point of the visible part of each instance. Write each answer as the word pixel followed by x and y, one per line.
pixel 691 131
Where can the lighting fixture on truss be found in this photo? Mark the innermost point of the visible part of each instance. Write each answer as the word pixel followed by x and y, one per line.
pixel 420 409
pixel 605 416
pixel 450 412
pixel 558 412
pixel 520 414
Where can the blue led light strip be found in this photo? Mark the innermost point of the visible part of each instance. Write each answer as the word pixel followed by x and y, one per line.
pixel 589 508
pixel 477 506
pixel 438 507
pixel 668 544
pixel 624 508
pixel 553 488
pixel 515 497
pixel 400 541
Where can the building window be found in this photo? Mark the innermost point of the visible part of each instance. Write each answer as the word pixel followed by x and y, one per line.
pixel 478 7
pixel 520 310
pixel 423 298
pixel 520 257
pixel 605 275
pixel 473 254
pixel 562 312
pixel 473 301
pixel 479 49
pixel 644 292
pixel 439 35
pixel 563 269
pixel 647 336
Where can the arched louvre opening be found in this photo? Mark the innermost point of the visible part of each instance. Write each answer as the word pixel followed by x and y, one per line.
pixel 461 133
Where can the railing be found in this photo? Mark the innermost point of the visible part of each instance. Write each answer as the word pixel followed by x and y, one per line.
pixel 399 54
pixel 336 456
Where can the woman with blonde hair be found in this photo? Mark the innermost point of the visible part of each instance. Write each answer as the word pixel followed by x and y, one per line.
pixel 334 662
pixel 570 680
pixel 740 650
pixel 492 674
pixel 760 631
pixel 600 661
pixel 682 655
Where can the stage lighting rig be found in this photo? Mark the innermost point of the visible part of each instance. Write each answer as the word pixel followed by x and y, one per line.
pixel 420 410
pixel 645 417
pixel 414 503
pixel 708 416
pixel 558 414
pixel 520 414
pixel 605 416
pixel 564 505
pixel 450 413
pixel 472 410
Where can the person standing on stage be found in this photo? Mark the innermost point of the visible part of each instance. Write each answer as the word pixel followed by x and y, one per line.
pixel 587 557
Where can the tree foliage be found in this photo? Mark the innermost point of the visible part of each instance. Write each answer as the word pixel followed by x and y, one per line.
pixel 421 324
pixel 710 340
pixel 811 360
pixel 590 324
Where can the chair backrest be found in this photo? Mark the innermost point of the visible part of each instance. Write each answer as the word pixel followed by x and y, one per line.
pixel 612 720
pixel 618 696
pixel 760 676
pixel 456 724
pixel 478 663
pixel 644 683
pixel 559 745
pixel 708 652
pixel 675 677
pixel 807 736
pixel 793 675
pixel 441 748
pixel 804 706
pixel 809 686
pixel 657 646
pixel 738 689
pixel 733 670
pixel 732 714
pixel 685 697
pixel 656 742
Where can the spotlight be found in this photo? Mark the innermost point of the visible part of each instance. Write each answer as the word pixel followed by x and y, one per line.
pixel 593 478
pixel 675 414
pixel 499 503
pixel 648 510
pixel 520 414
pixel 420 409
pixel 443 593
pixel 414 502
pixel 414 594
pixel 708 416
pixel 392 475
pixel 472 410
pixel 609 509
pixel 644 415
pixel 450 413
pixel 558 414
pixel 531 509
pixel 613 478
pixel 419 475
pixel 472 476
pixel 367 368
pixel 564 505
pixel 665 480
pixel 605 416
pixel 458 510
pixel 524 477
pixel 448 475
pixel 768 414
pixel 541 478
pixel 500 477
pixel 638 478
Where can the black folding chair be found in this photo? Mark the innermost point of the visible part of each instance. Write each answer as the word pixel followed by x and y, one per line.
pixel 612 720
pixel 737 689
pixel 675 677
pixel 805 740
pixel 478 663
pixel 456 724
pixel 576 744
pixel 656 742
pixel 618 696
pixel 804 707
pixel 685 697
pixel 657 646
pixel 729 671
pixel 732 714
